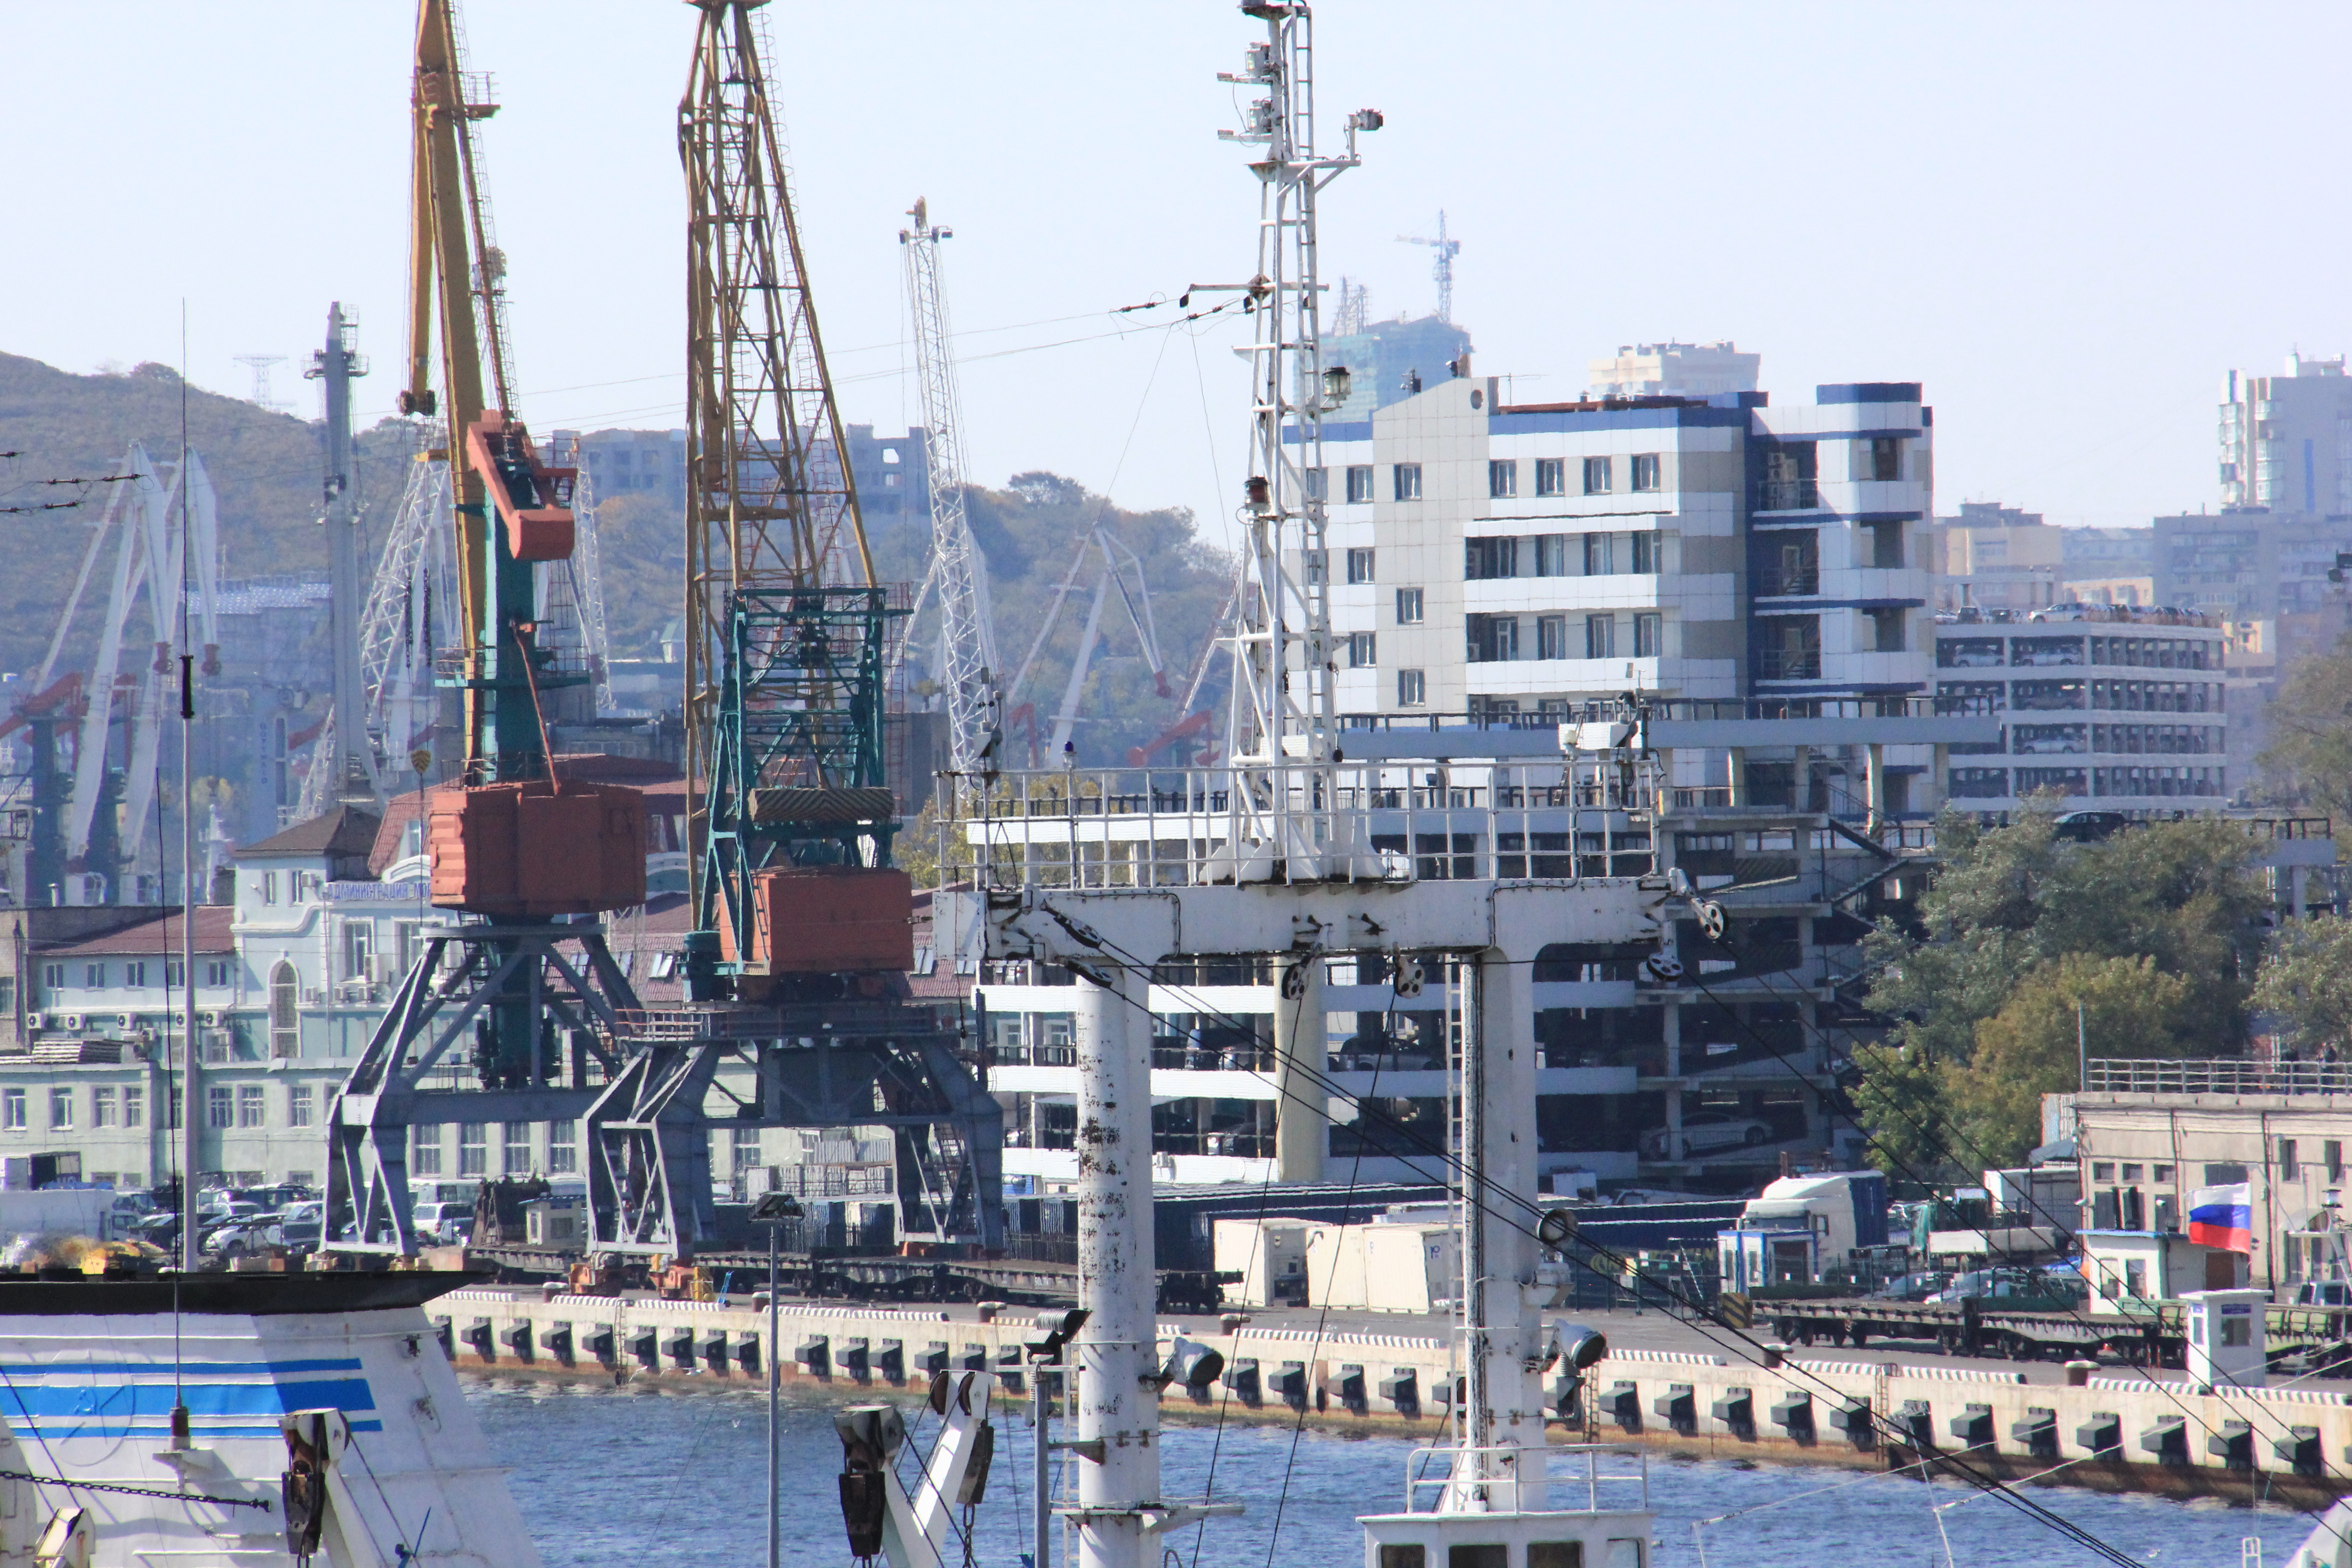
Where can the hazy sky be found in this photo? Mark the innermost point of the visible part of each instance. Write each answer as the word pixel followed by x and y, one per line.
pixel 2067 221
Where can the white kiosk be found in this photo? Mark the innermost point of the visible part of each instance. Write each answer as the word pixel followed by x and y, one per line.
pixel 2225 1338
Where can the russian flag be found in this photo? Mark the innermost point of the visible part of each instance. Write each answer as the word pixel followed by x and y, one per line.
pixel 2222 1217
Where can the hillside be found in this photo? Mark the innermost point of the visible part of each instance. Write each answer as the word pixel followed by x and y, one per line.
pixel 266 470
pixel 266 467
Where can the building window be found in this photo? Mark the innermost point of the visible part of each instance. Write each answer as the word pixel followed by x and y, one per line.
pixel 1551 476
pixel 93 975
pixel 1412 689
pixel 1502 478
pixel 1886 631
pixel 745 1154
pixel 1645 553
pixel 134 975
pixel 359 948
pixel 1600 555
pixel 101 1108
pixel 1646 469
pixel 562 1148
pixel 215 971
pixel 12 1110
pixel 53 980
pixel 1596 476
pixel 269 886
pixel 1359 567
pixel 1491 637
pixel 1360 483
pixel 61 1107
pixel 1886 546
pixel 1407 481
pixel 175 975
pixel 517 1154
pixel 1878 459
pixel 1551 636
pixel 220 1106
pixel 134 1106
pixel 1313 482
pixel 1551 555
pixel 249 1106
pixel 425 1151
pixel 473 1148
pixel 1361 650
pixel 1649 627
pixel 178 1109
pixel 1490 557
pixel 1599 637
pixel 1408 606
pixel 298 1105
pixel 285 1018
pixel 2288 1169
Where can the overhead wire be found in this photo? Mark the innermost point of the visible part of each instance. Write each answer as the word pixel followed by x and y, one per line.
pixel 1701 1321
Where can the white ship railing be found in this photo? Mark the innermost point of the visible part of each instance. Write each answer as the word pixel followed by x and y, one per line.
pixel 1467 1468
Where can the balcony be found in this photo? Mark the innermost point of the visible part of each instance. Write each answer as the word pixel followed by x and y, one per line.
pixel 1789 664
pixel 1787 495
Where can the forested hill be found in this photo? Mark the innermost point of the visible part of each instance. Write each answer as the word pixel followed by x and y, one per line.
pixel 266 469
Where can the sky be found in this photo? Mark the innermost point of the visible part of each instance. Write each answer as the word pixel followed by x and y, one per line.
pixel 2068 222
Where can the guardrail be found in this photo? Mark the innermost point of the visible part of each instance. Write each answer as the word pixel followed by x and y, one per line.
pixel 2214 1075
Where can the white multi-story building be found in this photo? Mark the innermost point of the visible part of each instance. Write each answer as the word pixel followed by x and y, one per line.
pixel 1491 560
pixel 2110 707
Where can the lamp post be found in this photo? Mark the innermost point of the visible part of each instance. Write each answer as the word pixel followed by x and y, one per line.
pixel 774 1211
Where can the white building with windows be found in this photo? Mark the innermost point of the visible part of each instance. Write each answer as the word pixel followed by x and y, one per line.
pixel 2115 708
pixel 1497 562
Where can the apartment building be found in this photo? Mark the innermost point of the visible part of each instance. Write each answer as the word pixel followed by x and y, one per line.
pixel 2118 708
pixel 1504 562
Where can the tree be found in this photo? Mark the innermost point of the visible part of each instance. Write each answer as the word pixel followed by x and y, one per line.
pixel 2129 1007
pixel 2307 984
pixel 2011 909
pixel 2309 756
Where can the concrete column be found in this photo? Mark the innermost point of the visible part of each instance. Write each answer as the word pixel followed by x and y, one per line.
pixel 1874 775
pixel 1119 1344
pixel 1800 776
pixel 1302 1124
pixel 1736 772
pixel 1499 1254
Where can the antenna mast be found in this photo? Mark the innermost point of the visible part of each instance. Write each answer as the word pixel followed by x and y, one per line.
pixel 968 666
pixel 1282 702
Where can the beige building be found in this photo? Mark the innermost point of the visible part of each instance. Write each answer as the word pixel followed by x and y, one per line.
pixel 2148 1134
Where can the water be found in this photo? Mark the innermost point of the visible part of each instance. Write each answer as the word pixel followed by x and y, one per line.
pixel 634 1478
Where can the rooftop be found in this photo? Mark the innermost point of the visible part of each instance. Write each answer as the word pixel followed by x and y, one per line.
pixel 153 938
pixel 344 831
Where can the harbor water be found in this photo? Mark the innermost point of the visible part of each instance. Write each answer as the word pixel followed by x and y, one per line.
pixel 645 1477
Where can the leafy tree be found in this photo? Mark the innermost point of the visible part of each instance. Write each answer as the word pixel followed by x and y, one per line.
pixel 2129 1007
pixel 2310 752
pixel 2307 984
pixel 2009 922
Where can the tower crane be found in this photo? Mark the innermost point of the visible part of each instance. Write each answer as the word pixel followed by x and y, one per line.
pixel 538 999
pixel 968 665
pixel 801 922
pixel 1443 269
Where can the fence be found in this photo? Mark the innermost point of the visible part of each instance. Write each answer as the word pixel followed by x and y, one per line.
pixel 2226 1075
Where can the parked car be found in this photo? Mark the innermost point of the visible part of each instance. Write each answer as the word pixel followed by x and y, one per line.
pixel 1917 1287
pixel 442 1221
pixel 2089 826
pixel 241 1236
pixel 1705 1133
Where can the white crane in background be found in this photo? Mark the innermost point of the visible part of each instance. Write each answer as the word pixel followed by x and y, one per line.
pixel 146 522
pixel 968 667
pixel 1117 560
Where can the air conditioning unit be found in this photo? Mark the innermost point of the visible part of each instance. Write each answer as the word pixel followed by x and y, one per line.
pixel 126 1020
pixel 36 1020
pixel 212 1017
pixel 69 1020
